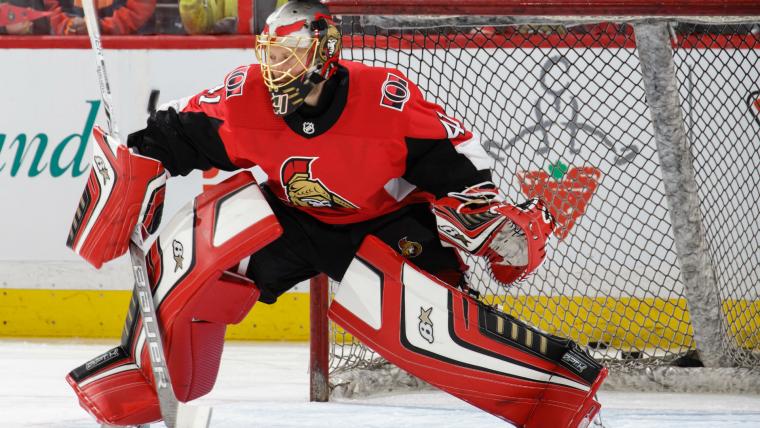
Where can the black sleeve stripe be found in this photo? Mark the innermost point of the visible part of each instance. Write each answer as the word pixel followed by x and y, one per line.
pixel 435 166
pixel 183 142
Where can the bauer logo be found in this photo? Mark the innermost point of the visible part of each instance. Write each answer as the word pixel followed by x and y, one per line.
pixel 426 325
pixel 32 156
pixel 395 92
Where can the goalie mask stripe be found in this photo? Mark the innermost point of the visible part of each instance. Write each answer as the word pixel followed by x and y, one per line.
pixel 449 346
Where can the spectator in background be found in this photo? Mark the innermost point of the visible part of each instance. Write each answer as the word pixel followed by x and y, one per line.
pixel 115 16
pixel 21 17
pixel 209 16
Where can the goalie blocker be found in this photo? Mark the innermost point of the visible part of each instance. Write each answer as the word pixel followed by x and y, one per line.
pixel 470 350
pixel 197 293
pixel 121 188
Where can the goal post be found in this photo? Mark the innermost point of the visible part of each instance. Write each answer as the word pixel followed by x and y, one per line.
pixel 639 123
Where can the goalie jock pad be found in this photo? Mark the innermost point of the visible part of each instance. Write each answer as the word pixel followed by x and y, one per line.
pixel 196 294
pixel 121 189
pixel 470 350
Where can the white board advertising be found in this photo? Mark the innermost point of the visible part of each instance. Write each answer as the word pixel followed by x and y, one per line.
pixel 49 106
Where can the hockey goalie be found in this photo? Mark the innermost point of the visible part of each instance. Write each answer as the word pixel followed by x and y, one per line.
pixel 368 183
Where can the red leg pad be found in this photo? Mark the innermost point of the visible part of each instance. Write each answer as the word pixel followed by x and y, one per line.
pixel 443 336
pixel 195 298
pixel 198 333
pixel 143 408
pixel 194 341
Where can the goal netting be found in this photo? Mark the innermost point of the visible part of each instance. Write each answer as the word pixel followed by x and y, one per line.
pixel 642 133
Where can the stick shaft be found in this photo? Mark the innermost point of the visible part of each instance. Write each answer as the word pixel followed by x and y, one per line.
pixel 91 19
pixel 150 326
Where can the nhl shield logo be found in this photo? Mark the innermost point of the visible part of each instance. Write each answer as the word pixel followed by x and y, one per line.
pixel 308 128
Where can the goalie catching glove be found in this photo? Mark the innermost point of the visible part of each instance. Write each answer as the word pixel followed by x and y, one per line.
pixel 511 237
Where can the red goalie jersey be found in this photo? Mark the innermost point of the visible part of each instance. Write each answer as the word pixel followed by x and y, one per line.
pixel 372 145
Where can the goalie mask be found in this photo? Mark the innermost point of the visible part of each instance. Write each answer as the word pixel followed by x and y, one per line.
pixel 299 48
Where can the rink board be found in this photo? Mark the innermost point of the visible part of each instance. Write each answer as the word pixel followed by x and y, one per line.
pixel 101 314
pixel 624 323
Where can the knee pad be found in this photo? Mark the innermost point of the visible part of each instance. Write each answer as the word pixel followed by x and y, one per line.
pixel 196 297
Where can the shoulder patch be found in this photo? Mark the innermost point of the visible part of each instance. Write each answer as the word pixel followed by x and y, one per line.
pixel 395 92
pixel 234 82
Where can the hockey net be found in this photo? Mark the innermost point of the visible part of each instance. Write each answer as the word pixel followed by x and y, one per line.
pixel 657 260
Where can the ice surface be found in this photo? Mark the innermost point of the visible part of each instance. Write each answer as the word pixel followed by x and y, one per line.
pixel 266 385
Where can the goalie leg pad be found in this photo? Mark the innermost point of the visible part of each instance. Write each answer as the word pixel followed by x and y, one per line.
pixel 195 296
pixel 443 336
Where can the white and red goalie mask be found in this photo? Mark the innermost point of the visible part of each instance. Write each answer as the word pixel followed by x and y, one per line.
pixel 299 47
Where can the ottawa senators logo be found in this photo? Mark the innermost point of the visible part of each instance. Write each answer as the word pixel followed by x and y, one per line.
pixel 305 191
pixel 409 249
pixel 235 81
pixel 395 92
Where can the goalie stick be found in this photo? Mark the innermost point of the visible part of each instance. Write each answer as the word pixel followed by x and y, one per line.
pixel 173 414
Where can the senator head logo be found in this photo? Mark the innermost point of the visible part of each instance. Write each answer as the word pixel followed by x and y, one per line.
pixel 305 190
pixel 409 249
